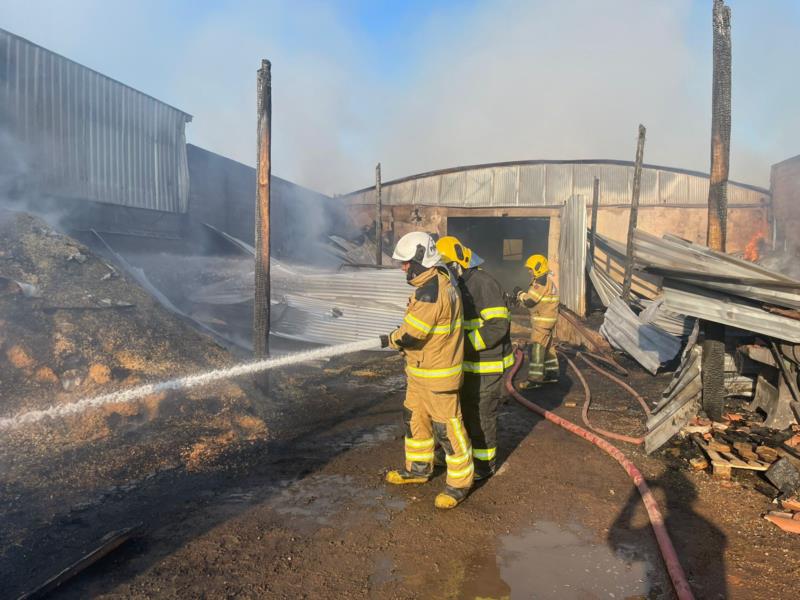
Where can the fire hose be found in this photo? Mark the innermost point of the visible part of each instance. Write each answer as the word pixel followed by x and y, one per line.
pixel 676 574
pixel 588 395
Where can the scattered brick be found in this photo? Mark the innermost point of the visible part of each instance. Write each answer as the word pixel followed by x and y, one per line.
pixel 698 463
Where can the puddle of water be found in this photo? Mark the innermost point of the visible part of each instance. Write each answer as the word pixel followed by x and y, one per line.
pixel 372 437
pixel 550 561
pixel 327 500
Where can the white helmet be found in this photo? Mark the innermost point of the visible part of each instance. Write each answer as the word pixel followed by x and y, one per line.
pixel 417 246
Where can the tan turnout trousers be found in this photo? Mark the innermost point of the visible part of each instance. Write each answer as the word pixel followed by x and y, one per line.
pixel 431 417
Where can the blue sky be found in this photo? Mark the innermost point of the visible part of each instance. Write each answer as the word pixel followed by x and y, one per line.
pixel 426 85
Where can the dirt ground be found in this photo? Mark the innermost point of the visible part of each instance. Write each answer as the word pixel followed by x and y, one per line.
pixel 306 514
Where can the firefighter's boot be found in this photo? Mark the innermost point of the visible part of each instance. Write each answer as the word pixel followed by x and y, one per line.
pixel 450 497
pixel 403 477
pixel 484 469
pixel 535 368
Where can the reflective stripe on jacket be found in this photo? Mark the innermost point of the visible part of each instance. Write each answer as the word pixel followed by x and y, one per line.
pixel 487 324
pixel 432 334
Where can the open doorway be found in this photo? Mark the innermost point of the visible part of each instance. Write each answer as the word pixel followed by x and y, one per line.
pixel 503 242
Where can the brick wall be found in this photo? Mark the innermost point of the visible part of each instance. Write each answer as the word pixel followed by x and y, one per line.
pixel 785 187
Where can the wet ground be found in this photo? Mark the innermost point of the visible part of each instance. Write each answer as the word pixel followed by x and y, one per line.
pixel 306 514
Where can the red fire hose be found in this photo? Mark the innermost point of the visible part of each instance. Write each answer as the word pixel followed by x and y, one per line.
pixel 588 400
pixel 674 568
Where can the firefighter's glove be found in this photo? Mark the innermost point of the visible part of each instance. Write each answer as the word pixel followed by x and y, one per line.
pixel 517 291
pixel 384 341
pixel 510 299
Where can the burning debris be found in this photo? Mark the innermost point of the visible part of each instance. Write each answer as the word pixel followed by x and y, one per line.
pixel 695 285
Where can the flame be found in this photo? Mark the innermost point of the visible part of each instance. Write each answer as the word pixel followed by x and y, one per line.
pixel 752 250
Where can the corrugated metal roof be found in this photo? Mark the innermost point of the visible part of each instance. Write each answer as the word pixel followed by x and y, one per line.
pixel 719 287
pixel 672 255
pixel 728 310
pixel 551 183
pixel 88 136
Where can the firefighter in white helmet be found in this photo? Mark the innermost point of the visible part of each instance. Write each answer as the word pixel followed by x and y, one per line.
pixel 432 339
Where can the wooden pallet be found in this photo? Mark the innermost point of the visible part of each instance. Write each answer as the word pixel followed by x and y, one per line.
pixel 723 462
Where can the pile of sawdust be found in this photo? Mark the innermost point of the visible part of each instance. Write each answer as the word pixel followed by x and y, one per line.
pixel 88 330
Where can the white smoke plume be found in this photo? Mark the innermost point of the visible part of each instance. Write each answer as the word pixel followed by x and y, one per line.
pixel 464 83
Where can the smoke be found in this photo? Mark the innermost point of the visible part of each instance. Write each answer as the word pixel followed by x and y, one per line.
pixel 19 184
pixel 451 84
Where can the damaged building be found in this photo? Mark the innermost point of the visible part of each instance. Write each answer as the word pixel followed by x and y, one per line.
pixel 508 211
pixel 96 154
pixel 109 165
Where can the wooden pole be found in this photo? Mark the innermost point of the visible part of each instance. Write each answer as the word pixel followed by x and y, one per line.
pixel 713 363
pixel 378 212
pixel 720 129
pixel 634 216
pixel 263 169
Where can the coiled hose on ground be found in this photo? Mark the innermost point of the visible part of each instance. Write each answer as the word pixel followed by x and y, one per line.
pixel 676 574
pixel 588 397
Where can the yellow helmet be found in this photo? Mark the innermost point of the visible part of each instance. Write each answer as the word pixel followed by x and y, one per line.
pixel 538 264
pixel 454 251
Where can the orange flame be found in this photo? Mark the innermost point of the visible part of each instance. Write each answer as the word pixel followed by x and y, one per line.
pixel 752 251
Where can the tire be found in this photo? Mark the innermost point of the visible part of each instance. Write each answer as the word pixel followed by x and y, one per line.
pixel 713 370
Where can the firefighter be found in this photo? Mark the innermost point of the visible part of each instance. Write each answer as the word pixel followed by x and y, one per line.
pixel 541 300
pixel 487 350
pixel 432 339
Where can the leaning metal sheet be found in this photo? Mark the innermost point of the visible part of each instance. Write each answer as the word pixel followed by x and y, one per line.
pixel 572 255
pixel 648 345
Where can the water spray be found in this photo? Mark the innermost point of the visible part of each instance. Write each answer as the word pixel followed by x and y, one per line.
pixel 183 383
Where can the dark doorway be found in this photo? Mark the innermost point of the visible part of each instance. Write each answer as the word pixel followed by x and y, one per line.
pixel 503 242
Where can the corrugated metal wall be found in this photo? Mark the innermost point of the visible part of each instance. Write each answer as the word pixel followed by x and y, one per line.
pixel 572 255
pixel 84 135
pixel 552 184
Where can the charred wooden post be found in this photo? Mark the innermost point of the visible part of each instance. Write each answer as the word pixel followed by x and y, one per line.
pixel 263 169
pixel 378 212
pixel 714 343
pixel 634 216
pixel 720 128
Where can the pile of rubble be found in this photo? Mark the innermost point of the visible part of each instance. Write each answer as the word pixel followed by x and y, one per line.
pixel 678 287
pixel 742 443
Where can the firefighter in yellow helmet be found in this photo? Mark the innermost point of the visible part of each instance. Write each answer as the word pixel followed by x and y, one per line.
pixel 432 339
pixel 487 350
pixel 541 300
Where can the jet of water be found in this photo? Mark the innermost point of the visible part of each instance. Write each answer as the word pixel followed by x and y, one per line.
pixel 187 382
